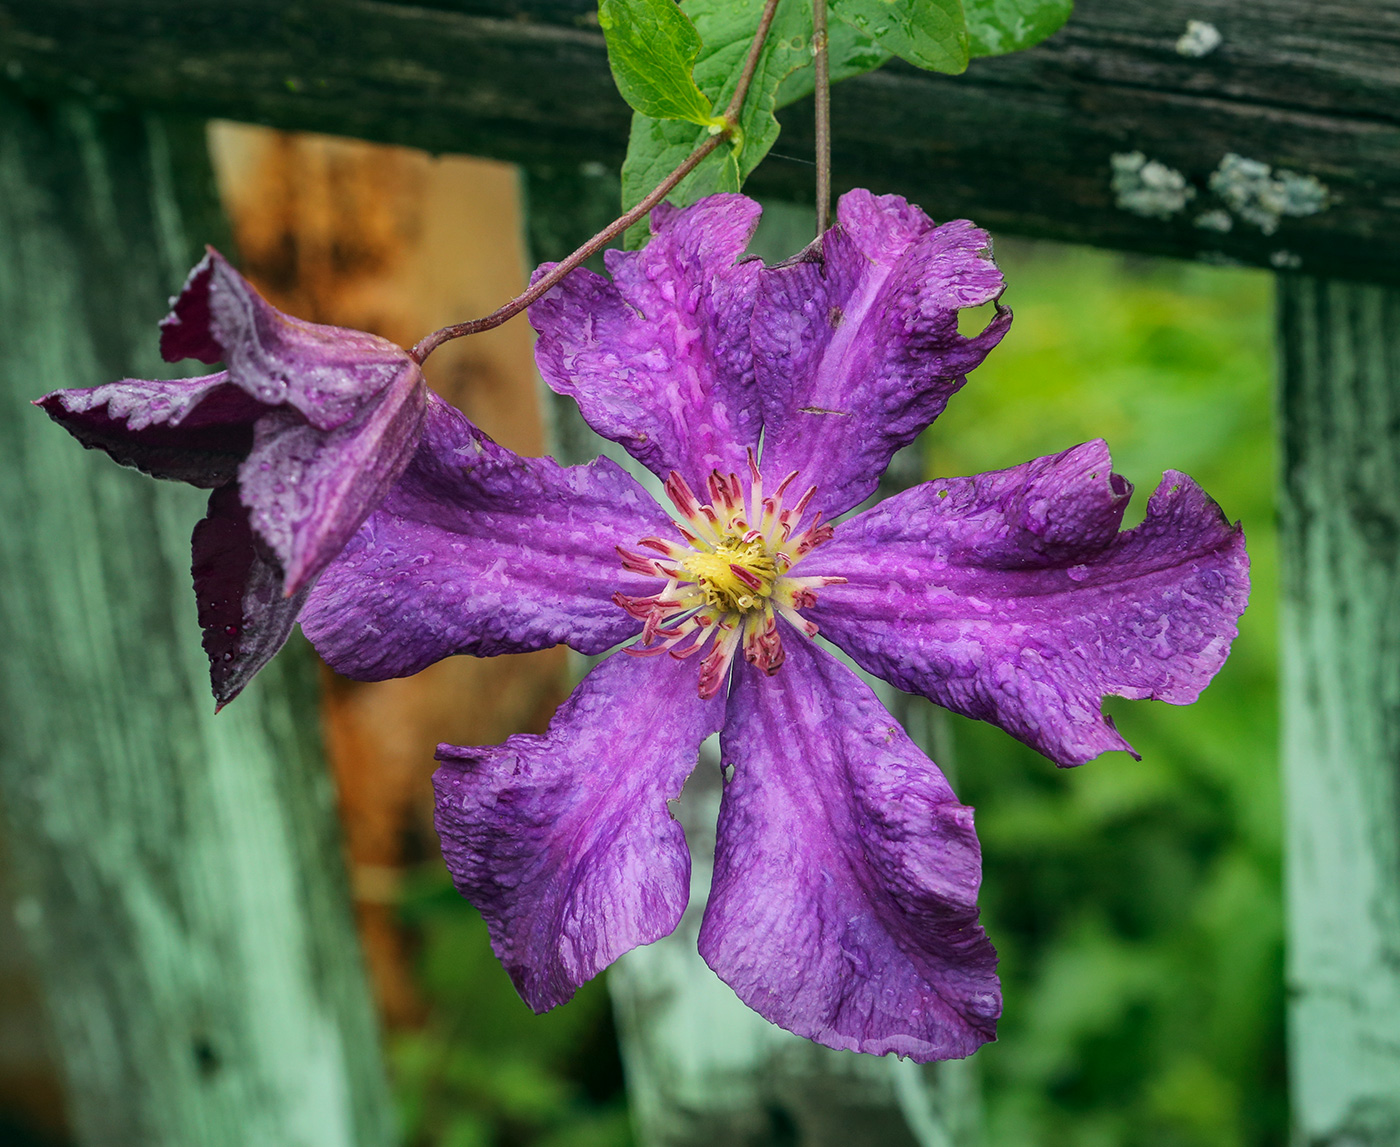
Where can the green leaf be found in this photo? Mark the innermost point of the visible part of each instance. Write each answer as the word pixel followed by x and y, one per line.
pixel 657 146
pixel 850 53
pixel 928 33
pixel 652 46
pixel 995 27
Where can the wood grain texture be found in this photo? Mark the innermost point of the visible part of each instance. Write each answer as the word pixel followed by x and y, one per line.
pixel 1022 144
pixel 180 875
pixel 1340 503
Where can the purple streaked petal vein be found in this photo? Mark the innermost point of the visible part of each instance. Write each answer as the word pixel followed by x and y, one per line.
pixel 478 550
pixel 658 358
pixel 243 612
pixel 1012 598
pixel 328 374
pixel 856 349
pixel 844 903
pixel 564 841
pixel 194 430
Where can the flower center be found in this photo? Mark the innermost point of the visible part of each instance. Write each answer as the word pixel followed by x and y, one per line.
pixel 731 577
pixel 737 577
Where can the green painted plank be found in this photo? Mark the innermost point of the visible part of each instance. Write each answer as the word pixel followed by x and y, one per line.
pixel 1340 503
pixel 180 874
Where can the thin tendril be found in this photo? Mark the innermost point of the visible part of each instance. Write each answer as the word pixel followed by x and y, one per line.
pixel 823 114
pixel 425 346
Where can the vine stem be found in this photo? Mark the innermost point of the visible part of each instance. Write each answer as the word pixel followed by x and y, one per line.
pixel 822 98
pixel 426 345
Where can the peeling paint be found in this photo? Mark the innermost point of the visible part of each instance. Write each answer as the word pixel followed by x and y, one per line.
pixel 1148 187
pixel 1260 195
pixel 1201 38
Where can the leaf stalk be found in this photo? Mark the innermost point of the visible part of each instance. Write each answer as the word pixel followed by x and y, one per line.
pixel 822 98
pixel 425 346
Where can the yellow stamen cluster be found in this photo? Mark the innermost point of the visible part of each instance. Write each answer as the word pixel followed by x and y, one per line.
pixel 724 588
pixel 730 580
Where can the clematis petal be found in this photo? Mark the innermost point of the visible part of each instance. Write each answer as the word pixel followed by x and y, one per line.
pixel 844 903
pixel 308 490
pixel 194 430
pixel 658 359
pixel 308 428
pixel 856 343
pixel 564 841
pixel 478 550
pixel 243 612
pixel 1011 597
pixel 327 374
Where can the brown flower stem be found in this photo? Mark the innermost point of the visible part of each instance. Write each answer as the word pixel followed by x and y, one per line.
pixel 736 104
pixel 822 97
pixel 425 346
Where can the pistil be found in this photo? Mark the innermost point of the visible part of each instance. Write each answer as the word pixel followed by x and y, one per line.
pixel 731 577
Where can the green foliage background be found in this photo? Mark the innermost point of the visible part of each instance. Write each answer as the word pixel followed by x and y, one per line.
pixel 1136 905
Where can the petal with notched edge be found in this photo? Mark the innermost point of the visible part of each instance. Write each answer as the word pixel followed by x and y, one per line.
pixel 1012 597
pixel 658 358
pixel 564 841
pixel 856 345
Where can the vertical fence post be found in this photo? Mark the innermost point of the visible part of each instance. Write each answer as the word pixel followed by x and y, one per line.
pixel 180 875
pixel 702 1069
pixel 1340 505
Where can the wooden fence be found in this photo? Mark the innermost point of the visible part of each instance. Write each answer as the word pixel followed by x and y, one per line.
pixel 1279 147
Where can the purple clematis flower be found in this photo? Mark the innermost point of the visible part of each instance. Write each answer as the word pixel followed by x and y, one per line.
pixel 769 401
pixel 299 438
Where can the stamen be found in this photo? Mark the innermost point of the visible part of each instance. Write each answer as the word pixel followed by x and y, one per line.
pixel 729 580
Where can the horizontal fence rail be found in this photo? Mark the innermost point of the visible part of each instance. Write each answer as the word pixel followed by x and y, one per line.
pixel 1270 137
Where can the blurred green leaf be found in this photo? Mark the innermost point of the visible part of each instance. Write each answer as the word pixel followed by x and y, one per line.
pixel 930 34
pixel 652 47
pixel 482 1059
pixel 995 27
pixel 1136 906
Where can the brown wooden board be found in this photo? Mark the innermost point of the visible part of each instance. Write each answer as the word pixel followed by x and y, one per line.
pixel 1023 143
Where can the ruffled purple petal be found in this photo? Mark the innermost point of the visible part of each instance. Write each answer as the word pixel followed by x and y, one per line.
pixel 328 374
pixel 856 345
pixel 659 358
pixel 243 612
pixel 1011 597
pixel 308 490
pixel 564 842
pixel 844 903
pixel 194 430
pixel 477 550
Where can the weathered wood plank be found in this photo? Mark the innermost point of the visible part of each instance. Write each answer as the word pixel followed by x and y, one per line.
pixel 179 875
pixel 1023 143
pixel 1340 542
